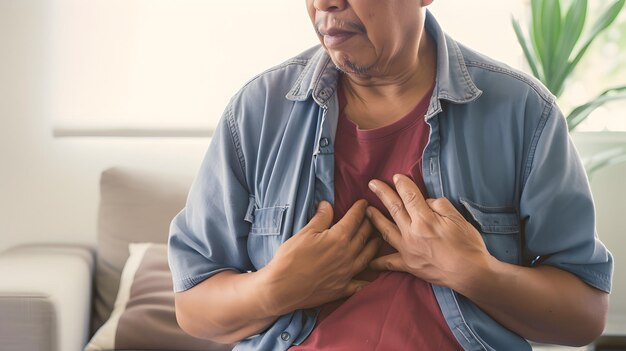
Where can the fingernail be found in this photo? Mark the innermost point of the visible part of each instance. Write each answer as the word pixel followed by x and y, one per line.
pixel 396 178
pixel 372 185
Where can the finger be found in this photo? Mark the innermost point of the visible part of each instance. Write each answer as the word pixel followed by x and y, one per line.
pixel 362 235
pixel 393 262
pixel 443 206
pixel 354 286
pixel 412 197
pixel 392 202
pixel 323 217
pixel 388 230
pixel 351 221
pixel 366 255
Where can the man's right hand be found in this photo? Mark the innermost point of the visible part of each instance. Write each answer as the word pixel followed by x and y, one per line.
pixel 318 264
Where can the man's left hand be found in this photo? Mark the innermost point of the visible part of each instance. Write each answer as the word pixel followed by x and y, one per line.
pixel 434 241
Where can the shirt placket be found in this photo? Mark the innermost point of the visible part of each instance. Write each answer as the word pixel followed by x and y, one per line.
pixel 446 298
pixel 324 161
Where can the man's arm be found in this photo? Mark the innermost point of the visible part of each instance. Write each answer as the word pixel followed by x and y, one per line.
pixel 437 244
pixel 314 267
pixel 225 308
pixel 543 304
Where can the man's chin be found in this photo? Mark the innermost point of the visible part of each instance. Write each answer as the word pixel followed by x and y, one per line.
pixel 349 67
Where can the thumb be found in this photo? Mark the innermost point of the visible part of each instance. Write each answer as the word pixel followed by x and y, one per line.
pixel 323 217
pixel 442 206
pixel 393 262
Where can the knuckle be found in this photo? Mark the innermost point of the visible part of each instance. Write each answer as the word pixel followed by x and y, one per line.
pixel 351 289
pixel 359 263
pixel 395 208
pixel 442 203
pixel 343 239
pixel 410 197
pixel 438 202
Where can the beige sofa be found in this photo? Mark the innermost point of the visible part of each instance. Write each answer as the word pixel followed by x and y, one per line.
pixel 54 297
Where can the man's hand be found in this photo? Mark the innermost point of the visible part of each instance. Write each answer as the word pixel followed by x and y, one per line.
pixel 433 240
pixel 437 244
pixel 318 264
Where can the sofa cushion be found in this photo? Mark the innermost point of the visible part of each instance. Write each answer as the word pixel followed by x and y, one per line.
pixel 135 206
pixel 144 316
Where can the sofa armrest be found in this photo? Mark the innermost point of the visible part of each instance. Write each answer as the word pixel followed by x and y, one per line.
pixel 45 297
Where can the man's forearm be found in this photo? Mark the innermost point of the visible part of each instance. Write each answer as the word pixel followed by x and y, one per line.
pixel 543 304
pixel 226 308
pixel 313 267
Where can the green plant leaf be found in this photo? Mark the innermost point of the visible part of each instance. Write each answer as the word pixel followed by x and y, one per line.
pixel 551 32
pixel 605 20
pixel 580 113
pixel 526 46
pixel 554 48
pixel 536 31
pixel 572 29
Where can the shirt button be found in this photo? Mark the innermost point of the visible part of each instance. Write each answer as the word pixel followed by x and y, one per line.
pixel 324 142
pixel 285 336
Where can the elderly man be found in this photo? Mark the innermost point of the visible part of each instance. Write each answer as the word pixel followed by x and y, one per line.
pixel 462 164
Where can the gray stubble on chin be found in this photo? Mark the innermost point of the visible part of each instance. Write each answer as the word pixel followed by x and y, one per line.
pixel 353 68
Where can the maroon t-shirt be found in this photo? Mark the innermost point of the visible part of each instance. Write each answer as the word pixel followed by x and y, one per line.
pixel 396 311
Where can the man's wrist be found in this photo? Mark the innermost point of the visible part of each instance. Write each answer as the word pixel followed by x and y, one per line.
pixel 267 296
pixel 478 276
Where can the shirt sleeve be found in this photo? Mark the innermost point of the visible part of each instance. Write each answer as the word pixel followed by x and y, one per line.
pixel 210 234
pixel 558 208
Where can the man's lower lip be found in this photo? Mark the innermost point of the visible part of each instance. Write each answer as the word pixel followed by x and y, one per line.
pixel 331 41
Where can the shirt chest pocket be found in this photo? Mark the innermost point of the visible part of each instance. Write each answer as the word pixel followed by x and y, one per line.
pixel 500 229
pixel 265 236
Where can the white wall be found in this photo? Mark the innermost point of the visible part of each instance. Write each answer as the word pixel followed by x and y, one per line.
pixel 609 190
pixel 48 186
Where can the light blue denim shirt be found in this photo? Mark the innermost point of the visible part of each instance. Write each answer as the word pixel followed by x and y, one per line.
pixel 498 149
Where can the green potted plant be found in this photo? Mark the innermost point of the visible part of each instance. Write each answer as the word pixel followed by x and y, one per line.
pixel 553 47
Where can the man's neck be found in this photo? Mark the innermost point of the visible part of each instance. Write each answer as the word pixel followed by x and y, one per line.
pixel 378 100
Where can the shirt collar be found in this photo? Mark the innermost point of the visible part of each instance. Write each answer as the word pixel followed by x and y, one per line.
pixel 453 82
pixel 319 78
